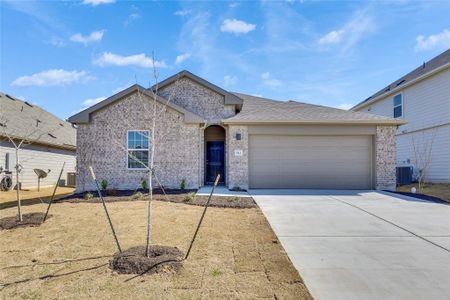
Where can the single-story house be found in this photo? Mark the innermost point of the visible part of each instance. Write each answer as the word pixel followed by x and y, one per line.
pixel 251 141
pixel 48 142
pixel 422 98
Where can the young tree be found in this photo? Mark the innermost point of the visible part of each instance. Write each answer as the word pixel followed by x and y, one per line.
pixel 422 155
pixel 20 140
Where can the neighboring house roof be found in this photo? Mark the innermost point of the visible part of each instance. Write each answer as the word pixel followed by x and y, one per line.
pixel 257 110
pixel 22 120
pixel 84 116
pixel 437 64
pixel 230 98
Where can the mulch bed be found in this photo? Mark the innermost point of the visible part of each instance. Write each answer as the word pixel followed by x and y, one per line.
pixel 162 259
pixel 173 195
pixel 28 220
pixel 420 196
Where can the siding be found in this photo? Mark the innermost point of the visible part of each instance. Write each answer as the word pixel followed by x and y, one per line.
pixel 38 157
pixel 440 160
pixel 426 105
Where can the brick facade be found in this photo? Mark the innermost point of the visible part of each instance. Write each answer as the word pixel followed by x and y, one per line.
pixel 385 153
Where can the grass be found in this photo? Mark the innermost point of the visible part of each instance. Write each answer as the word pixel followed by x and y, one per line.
pixel 67 257
pixel 439 190
pixel 32 196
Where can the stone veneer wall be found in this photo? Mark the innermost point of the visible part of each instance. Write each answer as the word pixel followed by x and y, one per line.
pixel 385 156
pixel 198 99
pixel 102 144
pixel 237 165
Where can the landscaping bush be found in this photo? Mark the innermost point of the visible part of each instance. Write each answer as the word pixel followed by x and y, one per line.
pixel 137 196
pixel 104 184
pixel 143 183
pixel 88 196
pixel 183 184
pixel 189 197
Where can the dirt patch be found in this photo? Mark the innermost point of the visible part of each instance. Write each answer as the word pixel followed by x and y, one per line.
pixel 174 196
pixel 28 220
pixel 162 259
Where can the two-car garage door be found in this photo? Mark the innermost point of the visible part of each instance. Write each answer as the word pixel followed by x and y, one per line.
pixel 293 161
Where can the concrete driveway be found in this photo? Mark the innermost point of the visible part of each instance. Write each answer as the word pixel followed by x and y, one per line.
pixel 362 244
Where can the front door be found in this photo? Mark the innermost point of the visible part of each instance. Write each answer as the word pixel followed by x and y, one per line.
pixel 215 161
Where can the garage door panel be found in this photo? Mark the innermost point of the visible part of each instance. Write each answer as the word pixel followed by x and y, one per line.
pixel 310 161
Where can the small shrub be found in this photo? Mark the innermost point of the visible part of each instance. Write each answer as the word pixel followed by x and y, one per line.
pixel 236 199
pixel 137 196
pixel 143 183
pixel 189 197
pixel 216 273
pixel 236 188
pixel 183 184
pixel 88 196
pixel 104 184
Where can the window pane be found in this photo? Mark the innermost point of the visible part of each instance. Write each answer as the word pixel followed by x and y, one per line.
pixel 138 139
pixel 398 100
pixel 137 159
pixel 397 111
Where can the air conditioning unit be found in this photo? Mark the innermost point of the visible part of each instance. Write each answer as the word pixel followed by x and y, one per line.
pixel 404 175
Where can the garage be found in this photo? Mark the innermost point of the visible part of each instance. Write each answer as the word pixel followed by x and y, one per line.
pixel 311 161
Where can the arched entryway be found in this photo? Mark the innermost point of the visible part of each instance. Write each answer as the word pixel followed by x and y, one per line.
pixel 214 153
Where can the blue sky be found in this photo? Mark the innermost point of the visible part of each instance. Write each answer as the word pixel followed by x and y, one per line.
pixel 66 55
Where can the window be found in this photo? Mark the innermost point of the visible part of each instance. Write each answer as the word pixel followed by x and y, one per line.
pixel 137 149
pixel 398 106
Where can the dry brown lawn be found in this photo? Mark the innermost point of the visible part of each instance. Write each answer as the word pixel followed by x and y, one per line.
pixel 440 190
pixel 236 255
pixel 32 196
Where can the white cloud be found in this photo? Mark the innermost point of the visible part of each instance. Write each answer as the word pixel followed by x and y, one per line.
pixel 359 26
pixel 89 102
pixel 439 40
pixel 131 18
pixel 229 80
pixel 54 77
pixel 139 60
pixel 345 106
pixel 236 26
pixel 98 2
pixel 57 42
pixel 333 37
pixel 182 57
pixel 95 36
pixel 183 12
pixel 233 5
pixel 269 81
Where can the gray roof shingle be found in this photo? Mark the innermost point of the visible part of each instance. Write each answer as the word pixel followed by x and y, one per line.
pixel 25 120
pixel 263 110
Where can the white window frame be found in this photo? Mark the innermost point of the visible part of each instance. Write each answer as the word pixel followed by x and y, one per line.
pixel 394 106
pixel 130 149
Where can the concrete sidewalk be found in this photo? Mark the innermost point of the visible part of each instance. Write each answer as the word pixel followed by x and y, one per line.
pixel 362 244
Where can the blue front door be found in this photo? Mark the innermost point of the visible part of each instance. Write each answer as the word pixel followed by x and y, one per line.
pixel 215 161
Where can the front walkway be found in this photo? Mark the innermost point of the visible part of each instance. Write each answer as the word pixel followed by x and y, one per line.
pixel 220 191
pixel 362 244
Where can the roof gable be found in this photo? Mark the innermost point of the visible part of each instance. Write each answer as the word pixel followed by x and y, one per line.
pixel 85 115
pixel 434 65
pixel 230 98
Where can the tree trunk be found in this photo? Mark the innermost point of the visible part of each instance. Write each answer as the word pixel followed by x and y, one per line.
pixel 19 204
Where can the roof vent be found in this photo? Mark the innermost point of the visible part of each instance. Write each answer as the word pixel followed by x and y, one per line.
pixel 8 96
pixel 423 66
pixel 388 89
pixel 28 104
pixel 368 98
pixel 401 82
pixel 51 135
pixel 37 122
pixel 2 125
pixel 60 124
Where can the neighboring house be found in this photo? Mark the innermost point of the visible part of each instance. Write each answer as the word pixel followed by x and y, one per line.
pixel 422 98
pixel 49 142
pixel 252 142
